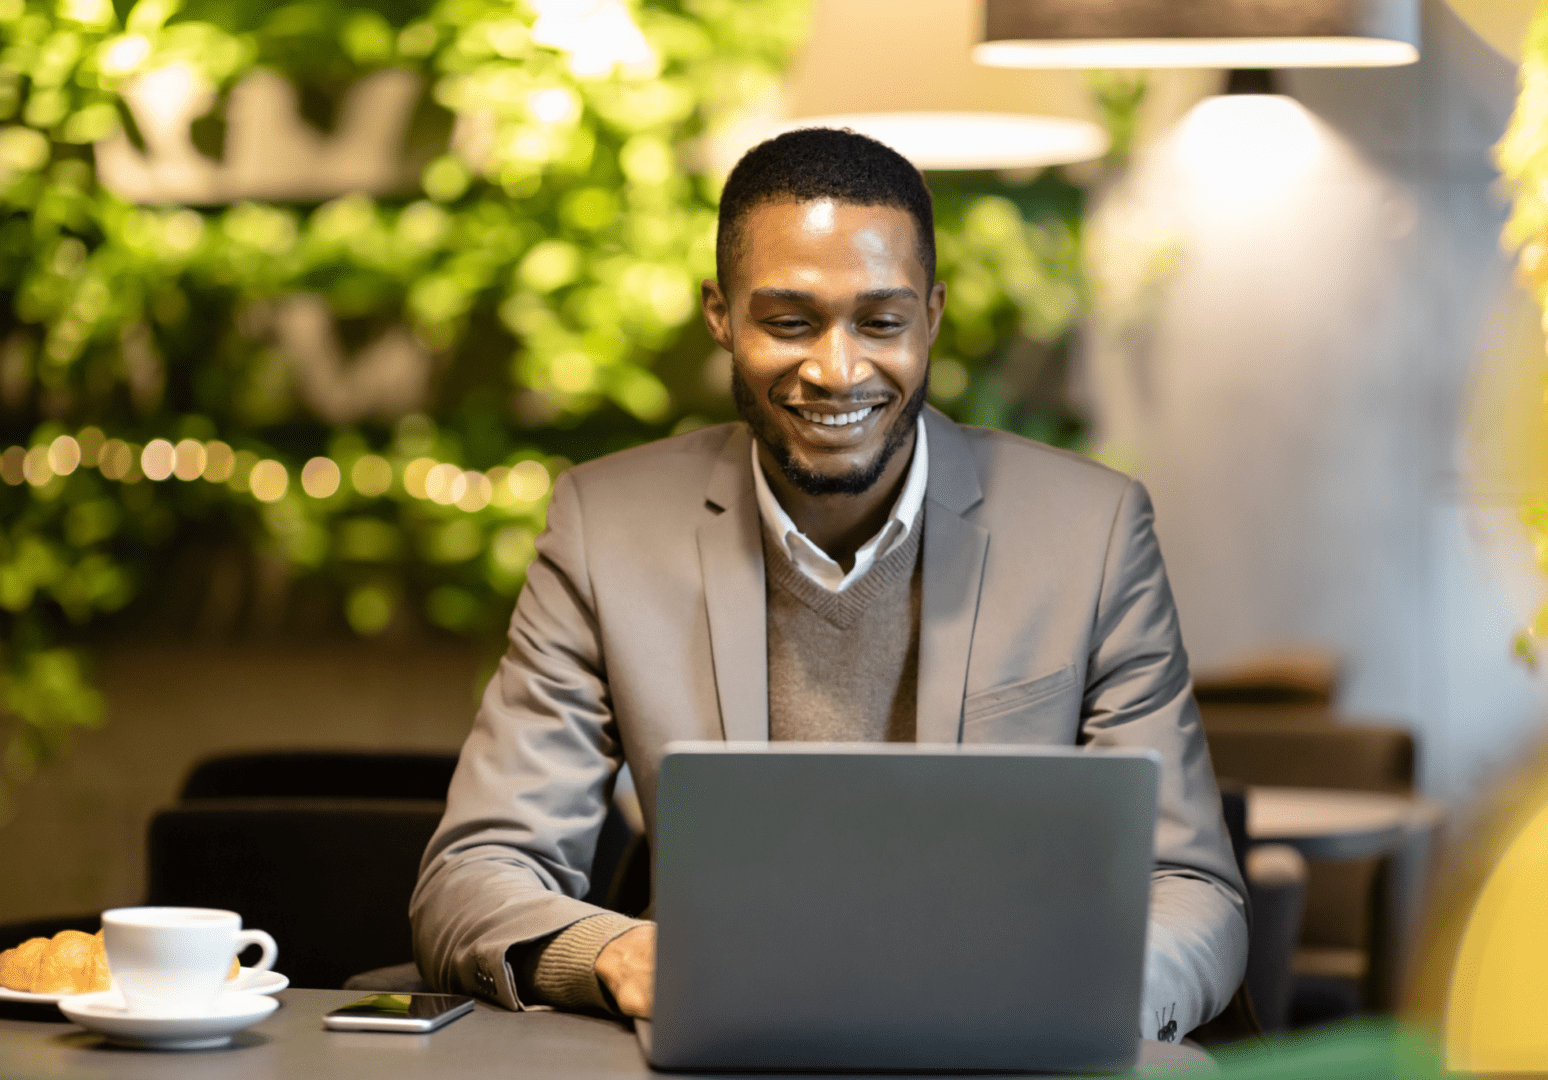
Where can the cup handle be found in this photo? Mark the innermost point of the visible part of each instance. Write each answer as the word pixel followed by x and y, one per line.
pixel 245 938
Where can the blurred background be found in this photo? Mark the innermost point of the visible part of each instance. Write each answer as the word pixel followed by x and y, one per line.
pixel 304 306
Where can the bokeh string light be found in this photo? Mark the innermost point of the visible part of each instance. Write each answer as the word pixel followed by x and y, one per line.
pixel 11 465
pixel 268 481
pixel 189 459
pixel 116 459
pixel 371 475
pixel 64 454
pixel 219 462
pixel 158 459
pixel 35 466
pixel 320 477
pixel 515 488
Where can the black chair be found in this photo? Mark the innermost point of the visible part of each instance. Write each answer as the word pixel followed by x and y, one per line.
pixel 322 774
pixel 620 872
pixel 329 878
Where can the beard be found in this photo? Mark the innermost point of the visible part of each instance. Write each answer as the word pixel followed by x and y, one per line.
pixel 856 481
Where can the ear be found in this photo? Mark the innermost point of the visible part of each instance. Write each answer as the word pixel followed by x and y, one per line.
pixel 717 312
pixel 936 308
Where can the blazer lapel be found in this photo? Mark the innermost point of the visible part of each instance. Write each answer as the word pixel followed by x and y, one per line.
pixel 954 553
pixel 731 559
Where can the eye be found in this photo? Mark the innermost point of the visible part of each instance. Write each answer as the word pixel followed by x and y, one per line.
pixel 787 324
pixel 884 324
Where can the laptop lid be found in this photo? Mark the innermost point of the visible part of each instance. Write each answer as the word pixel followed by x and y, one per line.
pixel 900 907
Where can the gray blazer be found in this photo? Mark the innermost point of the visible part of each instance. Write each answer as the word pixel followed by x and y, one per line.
pixel 1046 618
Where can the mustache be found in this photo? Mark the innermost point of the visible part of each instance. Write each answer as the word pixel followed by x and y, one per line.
pixel 847 404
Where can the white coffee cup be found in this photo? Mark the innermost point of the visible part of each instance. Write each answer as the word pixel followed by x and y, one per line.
pixel 174 960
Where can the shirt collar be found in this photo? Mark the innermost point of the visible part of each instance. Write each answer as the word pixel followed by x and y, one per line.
pixel 905 512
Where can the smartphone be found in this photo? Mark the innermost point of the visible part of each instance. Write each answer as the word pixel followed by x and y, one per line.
pixel 399 1012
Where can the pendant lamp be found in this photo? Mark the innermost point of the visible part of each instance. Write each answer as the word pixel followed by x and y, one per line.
pixel 899 71
pixel 1198 33
pixel 973 140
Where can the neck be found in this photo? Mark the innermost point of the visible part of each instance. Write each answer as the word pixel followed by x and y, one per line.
pixel 840 524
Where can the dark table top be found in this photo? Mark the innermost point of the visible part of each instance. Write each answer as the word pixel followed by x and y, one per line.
pixel 293 1043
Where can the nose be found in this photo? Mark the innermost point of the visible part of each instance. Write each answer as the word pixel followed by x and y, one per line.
pixel 836 364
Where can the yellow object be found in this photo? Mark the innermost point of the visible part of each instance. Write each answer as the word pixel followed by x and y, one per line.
pixel 71 962
pixel 1497 995
pixel 1499 985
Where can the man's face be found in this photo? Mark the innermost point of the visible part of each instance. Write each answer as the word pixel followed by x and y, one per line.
pixel 829 320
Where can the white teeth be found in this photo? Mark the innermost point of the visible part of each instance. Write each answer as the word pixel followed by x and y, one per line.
pixel 839 420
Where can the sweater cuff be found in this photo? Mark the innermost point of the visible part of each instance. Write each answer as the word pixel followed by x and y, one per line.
pixel 564 971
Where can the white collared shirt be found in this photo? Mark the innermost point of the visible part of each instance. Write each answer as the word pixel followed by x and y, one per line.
pixel 815 563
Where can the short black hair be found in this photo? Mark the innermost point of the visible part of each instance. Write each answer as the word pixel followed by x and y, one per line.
pixel 823 163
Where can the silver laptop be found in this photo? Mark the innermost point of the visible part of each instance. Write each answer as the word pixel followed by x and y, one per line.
pixel 831 907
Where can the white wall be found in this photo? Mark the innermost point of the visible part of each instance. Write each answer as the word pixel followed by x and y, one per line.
pixel 1290 376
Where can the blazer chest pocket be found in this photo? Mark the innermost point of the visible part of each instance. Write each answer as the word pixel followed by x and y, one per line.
pixel 1042 710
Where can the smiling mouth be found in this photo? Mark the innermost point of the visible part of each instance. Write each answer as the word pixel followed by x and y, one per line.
pixel 836 419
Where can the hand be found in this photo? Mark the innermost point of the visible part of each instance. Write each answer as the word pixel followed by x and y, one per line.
pixel 627 967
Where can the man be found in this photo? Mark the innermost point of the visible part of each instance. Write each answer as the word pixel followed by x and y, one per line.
pixel 844 565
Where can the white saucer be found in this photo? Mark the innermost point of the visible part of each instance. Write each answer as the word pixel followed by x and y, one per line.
pixel 252 981
pixel 105 1012
pixel 249 981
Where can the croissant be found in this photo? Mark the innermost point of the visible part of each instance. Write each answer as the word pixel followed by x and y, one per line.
pixel 69 963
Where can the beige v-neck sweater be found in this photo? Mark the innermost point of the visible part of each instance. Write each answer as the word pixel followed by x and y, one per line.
pixel 843 666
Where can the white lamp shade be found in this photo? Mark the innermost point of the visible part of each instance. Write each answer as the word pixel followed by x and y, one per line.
pixel 1198 33
pixel 973 140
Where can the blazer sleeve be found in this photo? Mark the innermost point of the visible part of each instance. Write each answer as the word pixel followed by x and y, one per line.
pixel 512 855
pixel 1139 693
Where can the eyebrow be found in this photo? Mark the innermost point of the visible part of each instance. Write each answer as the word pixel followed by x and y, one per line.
pixel 800 296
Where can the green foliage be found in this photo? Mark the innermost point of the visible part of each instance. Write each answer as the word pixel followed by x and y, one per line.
pixel 1375 1049
pixel 541 254
pixel 1010 255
